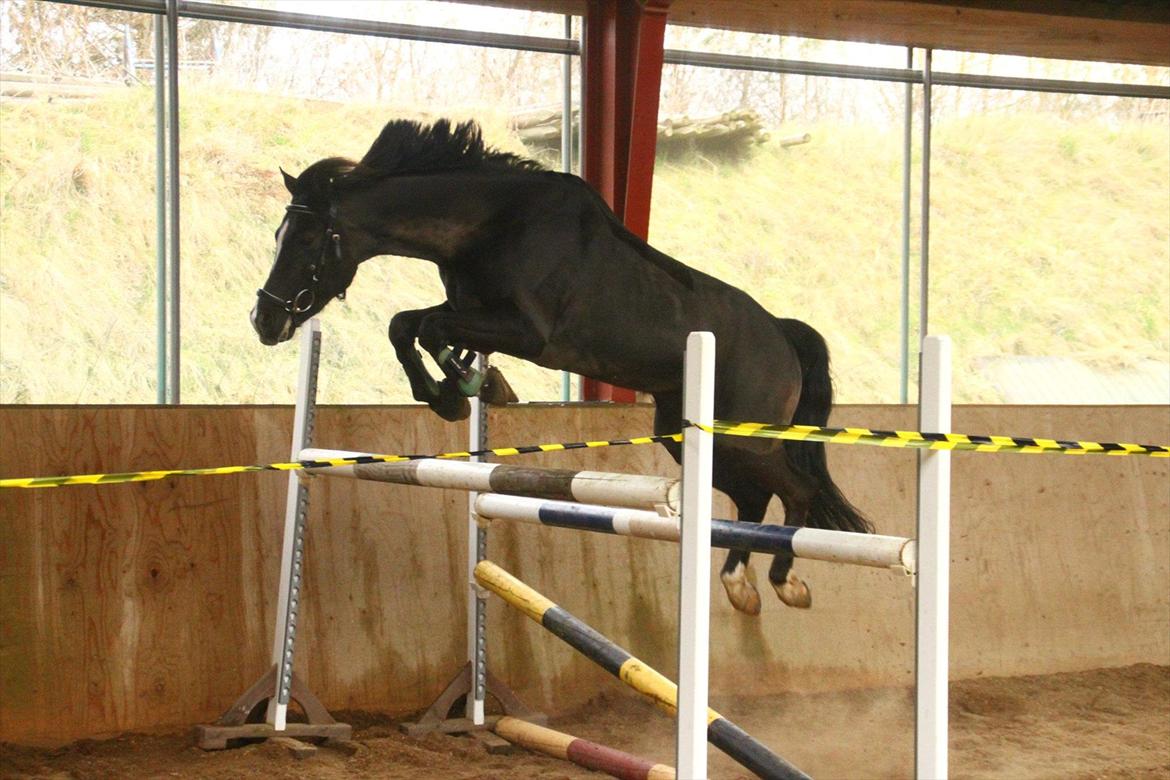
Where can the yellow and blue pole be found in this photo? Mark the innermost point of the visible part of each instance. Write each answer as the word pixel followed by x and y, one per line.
pixel 583 638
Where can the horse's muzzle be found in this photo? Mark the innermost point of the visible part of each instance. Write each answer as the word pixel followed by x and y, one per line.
pixel 273 327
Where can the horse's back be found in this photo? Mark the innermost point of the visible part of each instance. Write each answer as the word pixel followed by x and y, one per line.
pixel 612 307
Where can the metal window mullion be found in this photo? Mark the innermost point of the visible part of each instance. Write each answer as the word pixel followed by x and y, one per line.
pixel 908 75
pixel 172 24
pixel 793 67
pixel 567 151
pixel 1099 88
pixel 924 217
pixel 216 12
pixel 410 32
pixel 160 212
pixel 263 16
pixel 907 152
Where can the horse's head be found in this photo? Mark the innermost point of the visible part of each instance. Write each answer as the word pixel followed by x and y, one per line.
pixel 312 266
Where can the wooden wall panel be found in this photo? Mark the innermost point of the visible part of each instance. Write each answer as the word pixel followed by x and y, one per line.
pixel 135 607
pixel 1076 31
pixel 384 601
pixel 112 593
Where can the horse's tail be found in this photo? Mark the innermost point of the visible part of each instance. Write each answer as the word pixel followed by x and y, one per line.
pixel 829 508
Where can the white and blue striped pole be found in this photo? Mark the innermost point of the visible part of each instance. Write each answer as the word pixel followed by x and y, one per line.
pixel 883 552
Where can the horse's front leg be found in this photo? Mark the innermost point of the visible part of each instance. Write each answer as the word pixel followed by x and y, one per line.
pixel 505 329
pixel 443 397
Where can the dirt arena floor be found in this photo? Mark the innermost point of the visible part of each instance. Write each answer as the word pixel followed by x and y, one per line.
pixel 1110 723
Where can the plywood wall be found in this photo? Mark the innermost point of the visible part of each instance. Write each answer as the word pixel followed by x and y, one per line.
pixel 147 606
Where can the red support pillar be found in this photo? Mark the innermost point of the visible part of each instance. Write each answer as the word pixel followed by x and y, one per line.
pixel 622 77
pixel 647 86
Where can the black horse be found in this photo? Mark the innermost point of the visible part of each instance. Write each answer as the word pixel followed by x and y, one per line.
pixel 536 265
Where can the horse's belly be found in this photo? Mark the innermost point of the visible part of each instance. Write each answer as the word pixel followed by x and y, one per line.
pixel 627 359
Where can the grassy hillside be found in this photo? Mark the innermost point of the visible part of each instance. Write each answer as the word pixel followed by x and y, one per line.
pixel 1048 239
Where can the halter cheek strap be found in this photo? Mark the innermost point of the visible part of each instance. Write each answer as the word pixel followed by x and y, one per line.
pixel 303 301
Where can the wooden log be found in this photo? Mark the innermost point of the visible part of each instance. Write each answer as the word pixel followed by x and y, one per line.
pixel 795 140
pixel 582 752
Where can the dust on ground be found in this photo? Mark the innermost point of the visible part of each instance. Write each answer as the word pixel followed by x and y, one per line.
pixel 1106 724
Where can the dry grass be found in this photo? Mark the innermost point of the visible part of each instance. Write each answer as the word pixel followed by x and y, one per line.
pixel 1048 239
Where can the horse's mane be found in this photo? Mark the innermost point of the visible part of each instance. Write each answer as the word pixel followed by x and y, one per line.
pixel 406 147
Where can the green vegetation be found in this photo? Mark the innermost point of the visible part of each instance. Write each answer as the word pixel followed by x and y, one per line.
pixel 1049 239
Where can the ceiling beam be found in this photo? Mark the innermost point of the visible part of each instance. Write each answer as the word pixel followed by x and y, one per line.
pixel 1129 31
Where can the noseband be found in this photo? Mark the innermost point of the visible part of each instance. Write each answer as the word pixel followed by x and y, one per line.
pixel 303 301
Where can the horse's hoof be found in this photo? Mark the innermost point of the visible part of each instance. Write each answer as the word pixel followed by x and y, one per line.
pixel 453 412
pixel 740 591
pixel 496 390
pixel 794 592
pixel 450 405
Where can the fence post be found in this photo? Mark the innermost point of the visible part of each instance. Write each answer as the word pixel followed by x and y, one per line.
pixel 694 598
pixel 934 559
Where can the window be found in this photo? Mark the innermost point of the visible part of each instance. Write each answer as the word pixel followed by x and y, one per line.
pixel 78 244
pixel 1050 246
pixel 1049 211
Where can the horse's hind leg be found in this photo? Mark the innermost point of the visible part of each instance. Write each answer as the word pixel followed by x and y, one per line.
pixel 752 485
pixel 752 505
pixel 796 493
pixel 791 589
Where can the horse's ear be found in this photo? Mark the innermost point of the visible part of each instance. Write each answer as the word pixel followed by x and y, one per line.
pixel 290 182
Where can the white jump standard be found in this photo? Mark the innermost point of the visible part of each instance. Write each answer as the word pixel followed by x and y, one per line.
pixel 623 504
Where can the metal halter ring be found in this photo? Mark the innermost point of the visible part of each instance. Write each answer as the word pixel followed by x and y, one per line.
pixel 298 305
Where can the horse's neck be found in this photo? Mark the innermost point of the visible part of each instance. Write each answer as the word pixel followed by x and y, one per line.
pixel 428 217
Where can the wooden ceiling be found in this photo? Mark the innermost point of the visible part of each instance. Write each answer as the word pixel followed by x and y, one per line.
pixel 1132 31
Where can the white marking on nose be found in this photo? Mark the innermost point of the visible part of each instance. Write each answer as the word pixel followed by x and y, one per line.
pixel 280 234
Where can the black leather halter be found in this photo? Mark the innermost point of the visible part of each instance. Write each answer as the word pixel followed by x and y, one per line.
pixel 303 301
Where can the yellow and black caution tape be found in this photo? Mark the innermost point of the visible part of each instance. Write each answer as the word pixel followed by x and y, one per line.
pixel 904 439
pixel 932 441
pixel 148 476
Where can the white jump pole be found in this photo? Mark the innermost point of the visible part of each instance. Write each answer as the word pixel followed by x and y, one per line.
pixel 694 598
pixel 934 558
pixel 293 542
pixel 638 491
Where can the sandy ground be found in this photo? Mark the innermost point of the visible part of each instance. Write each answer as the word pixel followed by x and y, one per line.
pixel 1110 723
